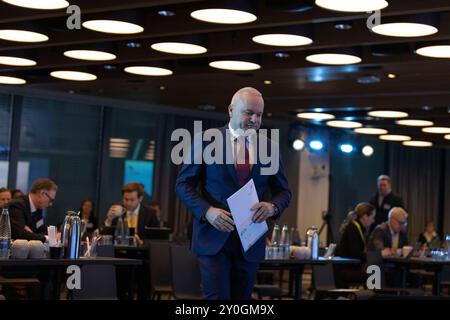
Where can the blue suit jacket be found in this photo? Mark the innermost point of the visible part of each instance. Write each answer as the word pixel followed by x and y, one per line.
pixel 200 186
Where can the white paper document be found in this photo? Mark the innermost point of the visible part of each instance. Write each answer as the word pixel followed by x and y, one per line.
pixel 240 203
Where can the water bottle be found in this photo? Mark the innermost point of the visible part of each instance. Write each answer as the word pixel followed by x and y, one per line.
pixel 118 234
pixel 295 237
pixel 285 242
pixel 312 236
pixel 125 232
pixel 5 234
pixel 275 239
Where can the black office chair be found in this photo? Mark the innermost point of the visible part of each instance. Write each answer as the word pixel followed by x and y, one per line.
pixel 160 275
pixel 324 285
pixel 186 283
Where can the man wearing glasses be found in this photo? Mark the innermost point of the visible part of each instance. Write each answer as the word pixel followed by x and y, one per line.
pixel 27 221
pixel 390 236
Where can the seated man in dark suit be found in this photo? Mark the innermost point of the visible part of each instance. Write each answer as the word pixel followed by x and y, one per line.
pixel 27 221
pixel 133 211
pixel 138 216
pixel 390 236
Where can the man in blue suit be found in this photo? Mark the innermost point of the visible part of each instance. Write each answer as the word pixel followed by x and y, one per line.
pixel 227 271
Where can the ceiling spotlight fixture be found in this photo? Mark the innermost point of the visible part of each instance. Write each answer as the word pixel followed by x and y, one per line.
pixel 392 76
pixel 447 137
pixel 267 82
pixel 282 40
pixel 113 26
pixel 394 137
pixel 281 55
pixel 166 13
pixel 178 48
pixel 73 75
pixel 414 123
pixel 375 131
pixel 352 5
pixel 439 51
pixel 387 114
pixel 438 130
pixel 367 151
pixel 22 36
pixel 343 25
pixel 344 124
pixel 415 143
pixel 298 145
pixel 16 61
pixel 346 148
pixel 234 65
pixel 225 16
pixel 333 58
pixel 148 71
pixel 41 4
pixel 11 80
pixel 90 55
pixel 315 116
pixel 316 145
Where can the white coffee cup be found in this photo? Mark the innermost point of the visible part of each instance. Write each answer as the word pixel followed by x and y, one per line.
pixel 406 250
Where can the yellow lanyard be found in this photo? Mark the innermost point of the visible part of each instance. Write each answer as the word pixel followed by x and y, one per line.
pixel 360 232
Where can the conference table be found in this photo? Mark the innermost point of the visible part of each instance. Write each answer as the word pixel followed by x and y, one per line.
pixel 51 271
pixel 425 263
pixel 297 267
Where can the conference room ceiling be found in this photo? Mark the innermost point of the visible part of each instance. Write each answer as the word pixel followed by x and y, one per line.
pixel 290 84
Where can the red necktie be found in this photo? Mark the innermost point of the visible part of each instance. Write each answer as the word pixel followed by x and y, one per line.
pixel 242 169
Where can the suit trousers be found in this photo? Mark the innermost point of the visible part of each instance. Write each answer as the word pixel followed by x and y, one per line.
pixel 227 274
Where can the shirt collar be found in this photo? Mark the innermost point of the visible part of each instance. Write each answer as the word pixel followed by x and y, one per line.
pixel 235 134
pixel 136 211
pixel 32 206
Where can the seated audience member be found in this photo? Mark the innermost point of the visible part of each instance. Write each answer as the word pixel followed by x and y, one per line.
pixel 429 237
pixel 27 221
pixel 133 211
pixel 88 217
pixel 353 244
pixel 390 236
pixel 16 193
pixel 5 197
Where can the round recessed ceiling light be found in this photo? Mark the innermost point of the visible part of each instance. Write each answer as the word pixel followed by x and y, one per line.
pixel 234 65
pixel 91 55
pixel 394 137
pixel 434 51
pixel 73 75
pixel 415 143
pixel 41 4
pixel 11 80
pixel 113 26
pixel 438 130
pixel 370 131
pixel 22 36
pixel 333 58
pixel 178 48
pixel 404 29
pixel 387 114
pixel 392 76
pixel 447 137
pixel 15 61
pixel 315 116
pixel 415 123
pixel 282 40
pixel 343 124
pixel 352 5
pixel 148 71
pixel 225 16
